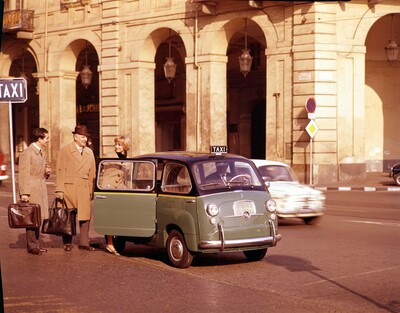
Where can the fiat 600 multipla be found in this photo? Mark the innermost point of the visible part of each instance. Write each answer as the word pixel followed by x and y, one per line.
pixel 186 202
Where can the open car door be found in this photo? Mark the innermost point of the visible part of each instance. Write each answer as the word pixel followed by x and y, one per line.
pixel 125 198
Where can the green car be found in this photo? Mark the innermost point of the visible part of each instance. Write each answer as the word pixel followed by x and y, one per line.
pixel 186 202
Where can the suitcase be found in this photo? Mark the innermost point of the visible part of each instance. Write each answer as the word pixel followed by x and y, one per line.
pixel 24 215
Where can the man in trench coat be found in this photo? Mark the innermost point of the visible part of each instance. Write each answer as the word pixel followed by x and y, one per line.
pixel 75 174
pixel 33 172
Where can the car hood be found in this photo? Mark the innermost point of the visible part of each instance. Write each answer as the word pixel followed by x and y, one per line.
pixel 292 188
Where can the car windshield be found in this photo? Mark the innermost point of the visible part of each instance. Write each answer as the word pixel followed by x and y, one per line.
pixel 273 173
pixel 224 174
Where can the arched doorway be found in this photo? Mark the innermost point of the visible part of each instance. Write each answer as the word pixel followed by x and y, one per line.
pixel 246 94
pixel 382 94
pixel 25 115
pixel 170 115
pixel 87 95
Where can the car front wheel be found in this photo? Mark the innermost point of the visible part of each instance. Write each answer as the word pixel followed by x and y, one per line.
pixel 178 254
pixel 312 220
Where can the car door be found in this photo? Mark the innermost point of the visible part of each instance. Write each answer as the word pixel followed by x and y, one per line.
pixel 125 198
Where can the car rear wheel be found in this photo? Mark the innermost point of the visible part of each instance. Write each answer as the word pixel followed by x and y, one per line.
pixel 397 179
pixel 119 244
pixel 255 255
pixel 178 254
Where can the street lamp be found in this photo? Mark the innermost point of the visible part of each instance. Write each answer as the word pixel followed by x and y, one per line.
pixel 169 66
pixel 245 58
pixel 86 73
pixel 392 49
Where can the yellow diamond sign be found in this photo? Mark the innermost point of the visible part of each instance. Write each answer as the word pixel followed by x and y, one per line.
pixel 312 128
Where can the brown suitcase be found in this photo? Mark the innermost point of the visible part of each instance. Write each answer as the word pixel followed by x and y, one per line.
pixel 24 215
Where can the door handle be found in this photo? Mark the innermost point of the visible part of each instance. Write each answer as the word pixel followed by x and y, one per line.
pixel 100 197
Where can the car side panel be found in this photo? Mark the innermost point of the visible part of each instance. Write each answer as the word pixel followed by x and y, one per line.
pixel 125 213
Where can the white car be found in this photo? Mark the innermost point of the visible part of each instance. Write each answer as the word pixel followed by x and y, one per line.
pixel 292 198
pixel 3 168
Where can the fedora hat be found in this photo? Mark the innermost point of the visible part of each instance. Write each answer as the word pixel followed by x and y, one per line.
pixel 81 130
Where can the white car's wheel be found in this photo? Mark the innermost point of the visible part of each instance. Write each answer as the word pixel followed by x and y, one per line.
pixel 397 179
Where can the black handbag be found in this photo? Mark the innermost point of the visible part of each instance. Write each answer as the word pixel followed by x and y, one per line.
pixel 61 221
pixel 24 215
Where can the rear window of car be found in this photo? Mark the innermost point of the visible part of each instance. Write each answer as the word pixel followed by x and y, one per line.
pixel 126 175
pixel 176 179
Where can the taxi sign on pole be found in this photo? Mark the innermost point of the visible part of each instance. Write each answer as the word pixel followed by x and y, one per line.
pixel 13 90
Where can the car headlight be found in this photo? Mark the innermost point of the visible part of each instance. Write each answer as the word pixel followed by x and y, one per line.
pixel 270 205
pixel 212 209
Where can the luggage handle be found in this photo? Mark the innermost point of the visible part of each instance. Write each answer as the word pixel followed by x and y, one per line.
pixel 56 201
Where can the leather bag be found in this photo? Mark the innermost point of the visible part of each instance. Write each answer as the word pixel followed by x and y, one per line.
pixel 24 215
pixel 61 221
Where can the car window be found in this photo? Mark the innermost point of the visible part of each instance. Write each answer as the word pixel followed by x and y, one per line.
pixel 224 173
pixel 176 179
pixel 126 175
pixel 276 173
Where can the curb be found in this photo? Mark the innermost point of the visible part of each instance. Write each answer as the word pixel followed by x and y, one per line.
pixel 369 189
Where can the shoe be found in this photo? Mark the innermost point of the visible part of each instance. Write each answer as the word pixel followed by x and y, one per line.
pixel 35 251
pixel 88 248
pixel 112 250
pixel 42 250
pixel 67 248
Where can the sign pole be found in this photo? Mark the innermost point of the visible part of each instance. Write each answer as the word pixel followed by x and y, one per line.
pixel 311 161
pixel 13 90
pixel 12 151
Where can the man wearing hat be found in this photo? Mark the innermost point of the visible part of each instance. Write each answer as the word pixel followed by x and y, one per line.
pixel 75 174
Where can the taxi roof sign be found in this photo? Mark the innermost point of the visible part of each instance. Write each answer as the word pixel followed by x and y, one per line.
pixel 13 90
pixel 219 149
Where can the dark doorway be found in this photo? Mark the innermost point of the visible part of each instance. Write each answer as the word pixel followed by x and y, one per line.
pixel 258 125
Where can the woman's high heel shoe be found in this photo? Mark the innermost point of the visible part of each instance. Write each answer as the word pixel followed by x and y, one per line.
pixel 112 250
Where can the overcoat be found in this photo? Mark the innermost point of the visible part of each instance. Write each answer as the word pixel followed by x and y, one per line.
pixel 75 174
pixel 32 181
pixel 114 174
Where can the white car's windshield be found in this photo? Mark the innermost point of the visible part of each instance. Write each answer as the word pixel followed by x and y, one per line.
pixel 273 173
pixel 224 173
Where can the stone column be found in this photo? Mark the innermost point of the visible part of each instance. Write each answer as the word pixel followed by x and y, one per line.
pixel 140 87
pixel 59 99
pixel 213 105
pixel 315 75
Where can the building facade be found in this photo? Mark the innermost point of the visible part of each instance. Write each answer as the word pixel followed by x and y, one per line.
pixel 331 51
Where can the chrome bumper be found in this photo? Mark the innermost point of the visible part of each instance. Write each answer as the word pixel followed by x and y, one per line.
pixel 223 244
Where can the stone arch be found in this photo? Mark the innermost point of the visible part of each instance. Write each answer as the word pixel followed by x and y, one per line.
pixel 223 29
pixel 63 55
pixel 381 94
pixel 12 51
pixel 147 48
pixel 369 19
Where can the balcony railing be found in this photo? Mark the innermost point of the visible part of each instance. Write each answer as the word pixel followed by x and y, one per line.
pixel 18 20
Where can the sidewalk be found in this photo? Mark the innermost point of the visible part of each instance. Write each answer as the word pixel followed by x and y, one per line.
pixel 375 181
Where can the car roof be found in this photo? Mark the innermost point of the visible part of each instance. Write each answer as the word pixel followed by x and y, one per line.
pixel 259 162
pixel 189 156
